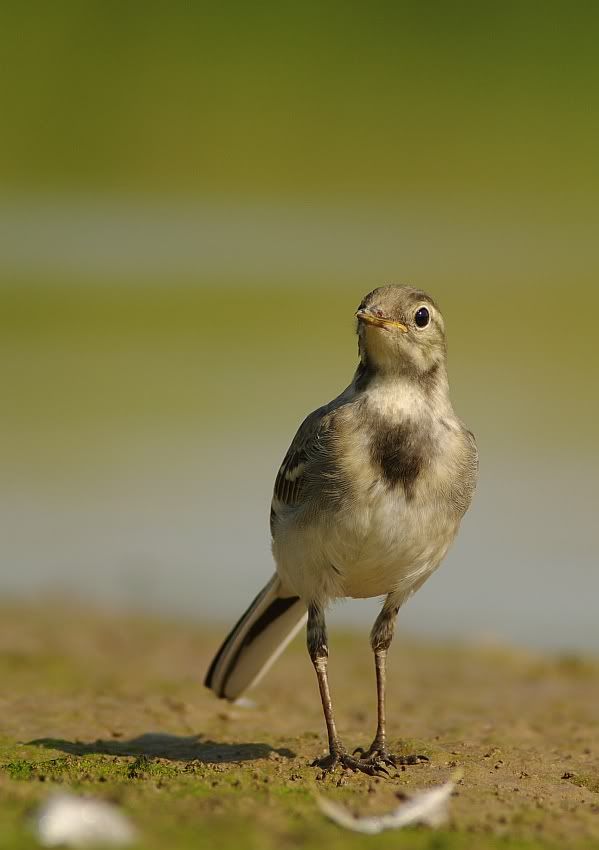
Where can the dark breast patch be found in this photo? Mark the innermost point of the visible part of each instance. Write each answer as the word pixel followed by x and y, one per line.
pixel 399 451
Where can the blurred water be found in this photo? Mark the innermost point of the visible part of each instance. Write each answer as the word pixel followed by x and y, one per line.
pixel 69 237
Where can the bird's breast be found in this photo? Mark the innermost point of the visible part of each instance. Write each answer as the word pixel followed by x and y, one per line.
pixel 401 516
pixel 387 520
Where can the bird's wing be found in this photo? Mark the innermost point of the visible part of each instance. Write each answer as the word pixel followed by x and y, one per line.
pixel 309 448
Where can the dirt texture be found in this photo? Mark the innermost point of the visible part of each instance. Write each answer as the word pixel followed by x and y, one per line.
pixel 114 706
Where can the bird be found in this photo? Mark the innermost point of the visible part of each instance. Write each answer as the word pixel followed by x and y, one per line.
pixel 366 503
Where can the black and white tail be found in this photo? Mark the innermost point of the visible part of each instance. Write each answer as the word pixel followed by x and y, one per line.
pixel 269 624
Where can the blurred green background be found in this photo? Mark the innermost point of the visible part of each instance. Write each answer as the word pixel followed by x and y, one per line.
pixel 193 200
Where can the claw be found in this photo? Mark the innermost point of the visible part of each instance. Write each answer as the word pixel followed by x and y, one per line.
pixel 380 768
pixel 373 762
pixel 341 758
pixel 379 756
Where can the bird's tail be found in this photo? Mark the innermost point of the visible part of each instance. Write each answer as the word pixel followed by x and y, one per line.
pixel 269 624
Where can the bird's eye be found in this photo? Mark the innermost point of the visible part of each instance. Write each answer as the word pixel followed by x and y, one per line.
pixel 422 317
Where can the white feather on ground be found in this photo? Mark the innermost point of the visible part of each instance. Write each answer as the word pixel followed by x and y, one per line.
pixel 245 702
pixel 429 808
pixel 72 821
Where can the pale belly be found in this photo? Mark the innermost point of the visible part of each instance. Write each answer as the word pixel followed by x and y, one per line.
pixel 385 545
pixel 396 548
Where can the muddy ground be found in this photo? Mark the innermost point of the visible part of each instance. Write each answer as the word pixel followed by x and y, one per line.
pixel 114 706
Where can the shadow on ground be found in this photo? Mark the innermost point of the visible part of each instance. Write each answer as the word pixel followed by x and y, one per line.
pixel 174 747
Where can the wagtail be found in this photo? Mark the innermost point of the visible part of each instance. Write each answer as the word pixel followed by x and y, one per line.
pixel 366 503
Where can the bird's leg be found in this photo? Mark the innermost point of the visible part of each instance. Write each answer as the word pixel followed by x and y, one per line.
pixel 319 654
pixel 380 640
pixel 380 661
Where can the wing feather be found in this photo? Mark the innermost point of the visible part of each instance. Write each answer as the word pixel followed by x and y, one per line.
pixel 303 452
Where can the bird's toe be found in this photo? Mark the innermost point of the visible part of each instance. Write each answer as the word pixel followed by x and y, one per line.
pixel 379 756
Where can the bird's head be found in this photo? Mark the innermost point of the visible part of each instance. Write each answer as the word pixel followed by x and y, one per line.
pixel 401 332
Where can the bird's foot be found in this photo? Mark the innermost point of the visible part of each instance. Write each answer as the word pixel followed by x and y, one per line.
pixel 339 757
pixel 378 755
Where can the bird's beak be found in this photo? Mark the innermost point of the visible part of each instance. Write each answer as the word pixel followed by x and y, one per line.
pixel 379 321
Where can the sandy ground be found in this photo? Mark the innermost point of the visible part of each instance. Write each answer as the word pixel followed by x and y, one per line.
pixel 114 706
